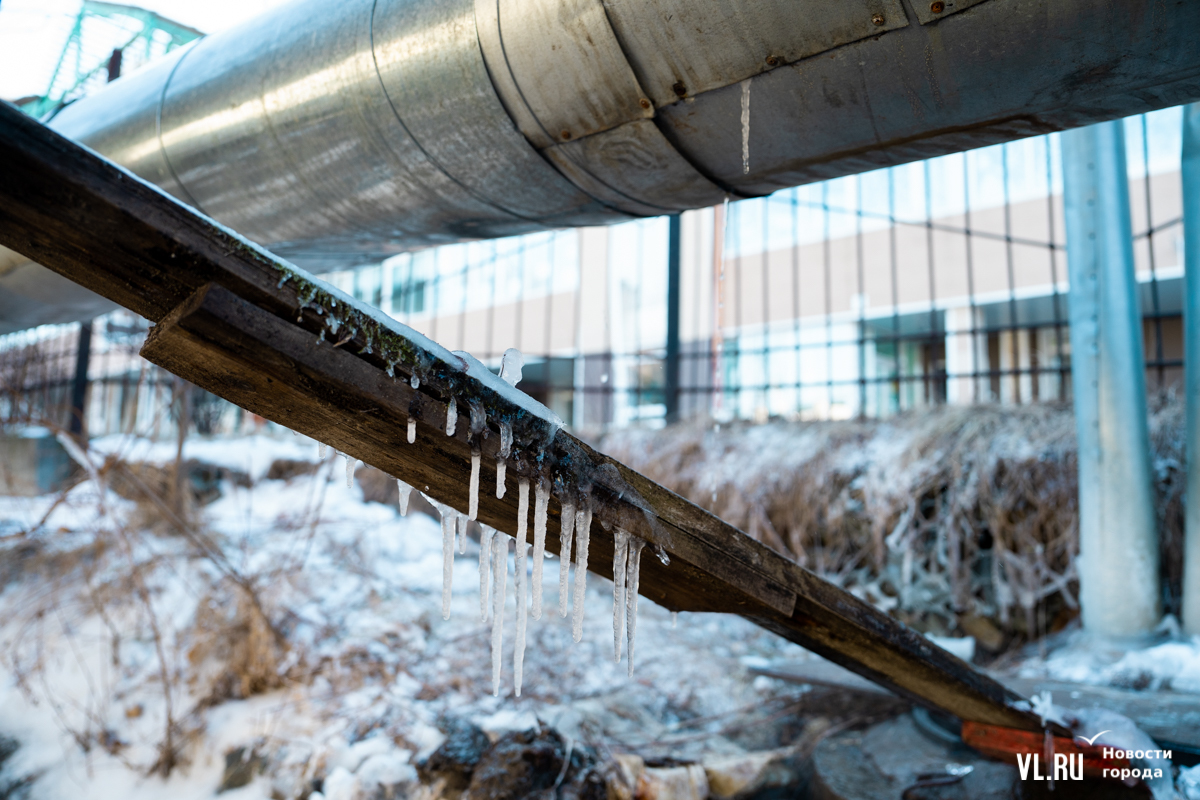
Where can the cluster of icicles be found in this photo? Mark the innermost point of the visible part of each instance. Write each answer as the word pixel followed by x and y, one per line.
pixel 574 536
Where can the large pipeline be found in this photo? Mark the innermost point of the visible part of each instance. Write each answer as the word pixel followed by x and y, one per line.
pixel 340 133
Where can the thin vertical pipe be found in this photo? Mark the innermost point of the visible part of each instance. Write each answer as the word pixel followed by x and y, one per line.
pixel 671 363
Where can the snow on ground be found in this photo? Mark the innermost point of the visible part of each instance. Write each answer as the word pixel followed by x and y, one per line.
pixel 97 616
pixel 1171 665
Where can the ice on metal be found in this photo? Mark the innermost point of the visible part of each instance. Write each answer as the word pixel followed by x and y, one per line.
pixel 632 570
pixel 485 559
pixel 620 562
pixel 583 532
pixel 541 502
pixel 565 536
pixel 473 501
pixel 499 578
pixel 451 417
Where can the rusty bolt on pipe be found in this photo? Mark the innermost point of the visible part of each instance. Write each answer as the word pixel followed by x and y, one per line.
pixel 937 7
pixel 877 19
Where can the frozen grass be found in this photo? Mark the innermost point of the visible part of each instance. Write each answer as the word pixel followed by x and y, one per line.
pixel 943 516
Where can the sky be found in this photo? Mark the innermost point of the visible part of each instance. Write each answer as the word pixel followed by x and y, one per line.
pixel 33 32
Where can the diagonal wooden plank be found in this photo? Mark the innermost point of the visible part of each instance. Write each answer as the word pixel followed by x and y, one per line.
pixel 238 321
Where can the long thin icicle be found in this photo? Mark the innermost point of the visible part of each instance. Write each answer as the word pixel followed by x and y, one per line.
pixel 462 532
pixel 405 494
pixel 448 517
pixel 746 126
pixel 583 532
pixel 499 578
pixel 541 502
pixel 451 417
pixel 473 502
pixel 620 561
pixel 412 429
pixel 632 571
pixel 520 586
pixel 321 450
pixel 566 534
pixel 349 472
pixel 485 562
pixel 501 468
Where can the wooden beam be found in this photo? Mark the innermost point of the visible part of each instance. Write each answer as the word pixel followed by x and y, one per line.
pixel 236 320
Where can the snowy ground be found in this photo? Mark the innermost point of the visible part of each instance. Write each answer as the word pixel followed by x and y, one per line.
pixel 108 629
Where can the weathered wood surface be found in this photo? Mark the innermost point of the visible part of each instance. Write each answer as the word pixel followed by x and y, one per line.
pixel 227 323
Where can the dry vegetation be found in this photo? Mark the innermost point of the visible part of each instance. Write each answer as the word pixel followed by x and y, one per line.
pixel 950 518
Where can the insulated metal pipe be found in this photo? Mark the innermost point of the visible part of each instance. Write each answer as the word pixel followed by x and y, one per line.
pixel 339 133
pixel 1118 540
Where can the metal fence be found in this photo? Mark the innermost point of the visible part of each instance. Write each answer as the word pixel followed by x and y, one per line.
pixel 942 281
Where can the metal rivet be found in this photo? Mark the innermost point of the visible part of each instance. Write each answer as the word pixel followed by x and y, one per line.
pixel 644 103
pixel 937 7
pixel 566 134
pixel 877 19
pixel 679 89
pixel 772 61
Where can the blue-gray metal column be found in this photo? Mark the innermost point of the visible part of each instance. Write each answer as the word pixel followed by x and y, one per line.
pixel 1118 564
pixel 1191 362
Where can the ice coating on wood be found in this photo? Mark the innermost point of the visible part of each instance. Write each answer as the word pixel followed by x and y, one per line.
pixel 405 494
pixel 473 493
pixel 451 417
pixel 485 559
pixel 520 546
pixel 506 441
pixel 620 561
pixel 350 472
pixel 632 571
pixel 541 501
pixel 448 518
pixel 412 429
pixel 583 532
pixel 499 578
pixel 565 536
pixel 510 366
pixel 462 533
pixel 509 393
pixel 478 421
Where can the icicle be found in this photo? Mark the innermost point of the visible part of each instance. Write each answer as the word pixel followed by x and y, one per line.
pixel 541 499
pixel 405 493
pixel 566 534
pixel 321 450
pixel 447 556
pixel 583 531
pixel 674 619
pixel 391 369
pixel 462 533
pixel 510 366
pixel 473 501
pixel 506 441
pixel 746 127
pixel 620 561
pixel 485 556
pixel 519 571
pixel 451 417
pixel 349 472
pixel 631 596
pixel 499 578
pixel 412 429
pixel 414 381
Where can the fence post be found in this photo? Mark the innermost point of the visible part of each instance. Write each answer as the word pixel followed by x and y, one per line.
pixel 671 366
pixel 1118 561
pixel 1191 362
pixel 79 385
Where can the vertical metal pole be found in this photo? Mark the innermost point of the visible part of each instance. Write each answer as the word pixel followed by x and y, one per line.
pixel 1191 363
pixel 79 386
pixel 1118 564
pixel 671 367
